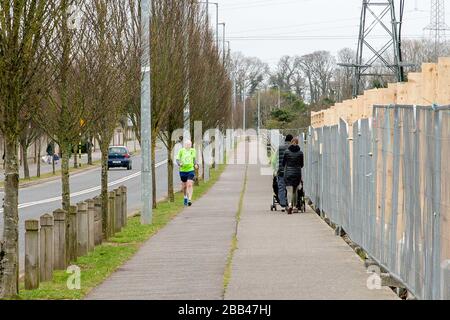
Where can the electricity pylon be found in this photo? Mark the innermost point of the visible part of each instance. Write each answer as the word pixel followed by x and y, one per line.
pixel 437 26
pixel 380 15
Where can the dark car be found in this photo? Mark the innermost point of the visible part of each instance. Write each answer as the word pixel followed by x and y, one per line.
pixel 119 157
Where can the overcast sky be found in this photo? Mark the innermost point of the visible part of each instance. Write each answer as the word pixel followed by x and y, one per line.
pixel 255 27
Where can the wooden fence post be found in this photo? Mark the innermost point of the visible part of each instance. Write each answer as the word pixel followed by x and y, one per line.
pixel 118 210
pixel 72 251
pixel 98 221
pixel 46 248
pixel 82 230
pixel 31 254
pixel 91 224
pixel 111 213
pixel 59 240
pixel 124 206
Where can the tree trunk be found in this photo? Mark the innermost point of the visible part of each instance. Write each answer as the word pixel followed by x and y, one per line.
pixel 125 136
pixel 104 188
pixel 75 159
pixel 197 170
pixel 89 151
pixel 203 166
pixel 4 150
pixel 65 177
pixel 170 190
pixel 35 151
pixel 26 167
pixel 38 163
pixel 153 172
pixel 9 251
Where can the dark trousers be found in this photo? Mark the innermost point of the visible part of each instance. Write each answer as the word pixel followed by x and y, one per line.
pixel 282 193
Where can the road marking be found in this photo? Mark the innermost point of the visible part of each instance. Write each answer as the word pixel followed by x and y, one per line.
pixel 83 192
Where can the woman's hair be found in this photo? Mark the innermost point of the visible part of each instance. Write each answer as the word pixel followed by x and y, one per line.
pixel 294 141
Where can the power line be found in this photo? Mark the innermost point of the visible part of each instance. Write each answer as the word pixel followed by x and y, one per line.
pixel 296 25
pixel 262 4
pixel 312 37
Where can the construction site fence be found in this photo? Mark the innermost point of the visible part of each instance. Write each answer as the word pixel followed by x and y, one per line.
pixel 386 182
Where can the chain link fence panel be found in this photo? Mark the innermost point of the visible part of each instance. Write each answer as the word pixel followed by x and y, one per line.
pixel 386 182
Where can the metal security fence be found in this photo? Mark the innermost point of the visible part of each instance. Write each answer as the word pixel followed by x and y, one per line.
pixel 386 182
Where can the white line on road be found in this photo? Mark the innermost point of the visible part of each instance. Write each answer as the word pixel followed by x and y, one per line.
pixel 83 192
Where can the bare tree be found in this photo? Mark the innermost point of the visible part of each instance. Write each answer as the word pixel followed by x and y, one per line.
pixel 318 68
pixel 23 29
pixel 30 132
pixel 106 58
pixel 344 75
pixel 66 116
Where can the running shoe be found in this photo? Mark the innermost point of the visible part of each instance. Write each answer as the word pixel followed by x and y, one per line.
pixel 185 202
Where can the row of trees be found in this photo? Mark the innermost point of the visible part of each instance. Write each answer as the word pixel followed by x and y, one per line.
pixel 72 68
pixel 317 79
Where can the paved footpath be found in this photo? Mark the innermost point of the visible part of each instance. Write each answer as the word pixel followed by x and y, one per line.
pixel 186 260
pixel 278 256
pixel 281 257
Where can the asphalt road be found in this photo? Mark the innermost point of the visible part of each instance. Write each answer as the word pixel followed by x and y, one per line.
pixel 37 200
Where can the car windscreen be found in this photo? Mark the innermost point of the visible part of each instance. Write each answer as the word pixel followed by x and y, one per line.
pixel 115 150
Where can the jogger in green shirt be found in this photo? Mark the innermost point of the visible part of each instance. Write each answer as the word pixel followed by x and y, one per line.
pixel 187 161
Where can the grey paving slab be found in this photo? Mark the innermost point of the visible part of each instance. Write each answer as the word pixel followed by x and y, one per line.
pixel 278 256
pixel 292 257
pixel 186 259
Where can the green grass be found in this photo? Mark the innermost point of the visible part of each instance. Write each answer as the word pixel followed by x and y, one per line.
pixel 234 241
pixel 105 259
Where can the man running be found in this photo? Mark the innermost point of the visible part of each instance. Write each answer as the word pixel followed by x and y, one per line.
pixel 187 161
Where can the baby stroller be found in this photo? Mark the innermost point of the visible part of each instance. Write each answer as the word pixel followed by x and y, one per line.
pixel 301 201
pixel 275 199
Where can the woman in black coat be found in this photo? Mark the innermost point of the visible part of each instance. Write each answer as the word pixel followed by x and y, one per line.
pixel 293 164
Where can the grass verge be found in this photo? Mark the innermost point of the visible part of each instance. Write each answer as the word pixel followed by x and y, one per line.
pixel 234 241
pixel 105 259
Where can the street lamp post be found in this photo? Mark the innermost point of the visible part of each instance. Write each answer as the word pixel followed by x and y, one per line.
pixel 259 111
pixel 223 41
pixel 207 13
pixel 245 114
pixel 279 97
pixel 146 114
pixel 217 20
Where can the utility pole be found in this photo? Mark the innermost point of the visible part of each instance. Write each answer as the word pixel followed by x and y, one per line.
pixel 217 20
pixel 228 50
pixel 223 43
pixel 259 111
pixel 146 114
pixel 279 97
pixel 187 107
pixel 437 26
pixel 207 14
pixel 245 114
pixel 217 25
pixel 234 103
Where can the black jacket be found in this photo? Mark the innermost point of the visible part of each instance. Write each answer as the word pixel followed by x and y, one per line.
pixel 281 151
pixel 293 164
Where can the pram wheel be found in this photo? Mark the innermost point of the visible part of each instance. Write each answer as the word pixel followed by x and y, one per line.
pixel 273 207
